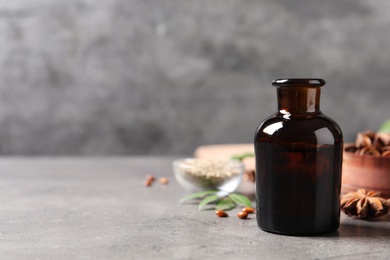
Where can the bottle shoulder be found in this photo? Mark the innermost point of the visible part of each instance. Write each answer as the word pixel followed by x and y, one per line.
pixel 316 129
pixel 318 120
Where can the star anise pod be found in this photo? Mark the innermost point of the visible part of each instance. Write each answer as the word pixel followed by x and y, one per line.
pixel 370 143
pixel 365 205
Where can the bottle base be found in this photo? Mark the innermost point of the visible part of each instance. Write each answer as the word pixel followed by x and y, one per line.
pixel 305 233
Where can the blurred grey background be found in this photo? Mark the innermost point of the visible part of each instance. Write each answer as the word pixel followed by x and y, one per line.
pixel 107 77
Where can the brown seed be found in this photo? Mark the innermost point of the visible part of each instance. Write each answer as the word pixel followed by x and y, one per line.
pixel 249 175
pixel 147 183
pixel 248 210
pixel 221 213
pixel 164 180
pixel 242 215
pixel 150 178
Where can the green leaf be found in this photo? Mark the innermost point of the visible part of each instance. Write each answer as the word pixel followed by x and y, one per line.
pixel 240 199
pixel 225 204
pixel 197 195
pixel 208 200
pixel 385 128
pixel 242 156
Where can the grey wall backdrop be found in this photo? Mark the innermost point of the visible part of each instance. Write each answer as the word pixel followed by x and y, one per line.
pixel 101 77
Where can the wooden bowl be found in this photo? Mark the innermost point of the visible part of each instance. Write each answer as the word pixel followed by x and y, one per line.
pixel 366 172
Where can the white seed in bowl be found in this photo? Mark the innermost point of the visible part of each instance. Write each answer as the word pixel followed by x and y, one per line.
pixel 208 173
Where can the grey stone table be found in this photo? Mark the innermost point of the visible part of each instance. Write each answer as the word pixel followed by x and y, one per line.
pixel 97 208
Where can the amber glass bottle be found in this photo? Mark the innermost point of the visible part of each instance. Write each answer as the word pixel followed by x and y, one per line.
pixel 298 163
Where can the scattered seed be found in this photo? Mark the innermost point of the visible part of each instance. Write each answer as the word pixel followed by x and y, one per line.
pixel 248 210
pixel 242 215
pixel 221 213
pixel 164 180
pixel 150 178
pixel 147 183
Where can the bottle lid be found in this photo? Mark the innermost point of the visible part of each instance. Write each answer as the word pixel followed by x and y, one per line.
pixel 307 82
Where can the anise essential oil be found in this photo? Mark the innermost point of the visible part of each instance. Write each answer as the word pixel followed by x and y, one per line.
pixel 298 163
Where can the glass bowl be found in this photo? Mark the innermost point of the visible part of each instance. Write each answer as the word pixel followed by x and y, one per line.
pixel 195 174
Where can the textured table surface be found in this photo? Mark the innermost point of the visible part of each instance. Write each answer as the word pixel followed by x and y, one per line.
pixel 97 208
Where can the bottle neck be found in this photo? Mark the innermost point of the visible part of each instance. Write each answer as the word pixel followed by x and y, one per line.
pixel 298 99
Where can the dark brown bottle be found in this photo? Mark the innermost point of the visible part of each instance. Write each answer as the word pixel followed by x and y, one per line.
pixel 298 163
